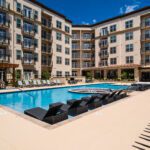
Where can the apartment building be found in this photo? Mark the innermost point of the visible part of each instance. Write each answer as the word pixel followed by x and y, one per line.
pixel 83 49
pixel 122 47
pixel 33 39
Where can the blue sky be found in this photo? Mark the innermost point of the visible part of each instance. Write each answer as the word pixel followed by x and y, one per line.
pixel 93 11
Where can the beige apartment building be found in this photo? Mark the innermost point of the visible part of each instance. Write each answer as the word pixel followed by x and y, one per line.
pixel 116 48
pixel 35 39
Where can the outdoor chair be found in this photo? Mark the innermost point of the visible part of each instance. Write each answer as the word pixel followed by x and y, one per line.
pixel 20 84
pixel 76 107
pixel 53 115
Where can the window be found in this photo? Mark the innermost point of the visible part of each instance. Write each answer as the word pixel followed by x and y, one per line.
pixel 129 59
pixel 113 39
pixel 147 34
pixel 58 24
pixel 113 28
pixel 58 48
pixel 18 39
pixel 113 61
pixel 67 40
pixel 67 29
pixel 18 7
pixel 67 74
pixel 18 54
pixel 36 43
pixel 58 36
pixel 59 73
pixel 58 60
pixel 129 48
pixel 35 14
pixel 67 61
pixel 113 50
pixel 147 46
pixel 147 22
pixel 129 36
pixel 67 51
pixel 18 23
pixel 35 57
pixel 104 31
pixel 147 59
pixel 129 24
pixel 36 28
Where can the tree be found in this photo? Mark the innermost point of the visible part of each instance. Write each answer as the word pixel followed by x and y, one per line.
pixel 45 75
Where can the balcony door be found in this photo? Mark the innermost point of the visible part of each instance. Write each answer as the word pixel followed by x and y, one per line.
pixel 2 75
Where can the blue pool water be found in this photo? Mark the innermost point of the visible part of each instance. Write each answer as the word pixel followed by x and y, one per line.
pixel 21 101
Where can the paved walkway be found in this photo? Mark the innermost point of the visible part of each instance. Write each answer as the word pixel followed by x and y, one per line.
pixel 113 127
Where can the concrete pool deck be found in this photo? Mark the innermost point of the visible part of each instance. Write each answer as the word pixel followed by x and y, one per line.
pixel 113 127
pixel 10 90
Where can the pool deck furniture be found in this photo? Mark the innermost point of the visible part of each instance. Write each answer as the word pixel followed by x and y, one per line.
pixel 76 107
pixel 2 85
pixel 44 82
pixel 27 83
pixel 112 127
pixel 53 115
pixel 92 102
pixel 20 84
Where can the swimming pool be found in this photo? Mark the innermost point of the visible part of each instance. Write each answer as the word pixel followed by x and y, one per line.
pixel 21 101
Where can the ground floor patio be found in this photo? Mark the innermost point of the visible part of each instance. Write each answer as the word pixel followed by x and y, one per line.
pixel 126 72
pixel 116 126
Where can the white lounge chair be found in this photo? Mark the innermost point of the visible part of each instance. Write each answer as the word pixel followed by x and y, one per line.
pixel 44 82
pixel 39 83
pixel 35 83
pixel 58 82
pixel 27 83
pixel 20 84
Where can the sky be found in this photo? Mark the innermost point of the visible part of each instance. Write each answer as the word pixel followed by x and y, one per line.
pixel 93 11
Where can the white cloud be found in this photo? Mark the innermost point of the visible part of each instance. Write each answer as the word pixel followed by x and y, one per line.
pixel 94 20
pixel 129 8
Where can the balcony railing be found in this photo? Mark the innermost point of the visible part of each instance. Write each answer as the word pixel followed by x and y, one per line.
pixel 31 16
pixel 75 47
pixel 28 47
pixel 4 41
pixel 47 50
pixel 4 59
pixel 75 65
pixel 103 64
pixel 75 37
pixel 75 56
pixel 48 39
pixel 4 24
pixel 27 32
pixel 4 6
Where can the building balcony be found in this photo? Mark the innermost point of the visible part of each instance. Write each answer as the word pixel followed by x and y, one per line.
pixel 4 41
pixel 104 55
pixel 28 64
pixel 4 59
pixel 32 17
pixel 47 64
pixel 145 38
pixel 75 37
pixel 4 24
pixel 103 45
pixel 47 51
pixel 28 33
pixel 30 48
pixel 4 6
pixel 76 47
pixel 75 65
pixel 47 26
pixel 103 64
pixel 47 39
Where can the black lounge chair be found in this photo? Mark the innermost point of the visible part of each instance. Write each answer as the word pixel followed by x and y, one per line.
pixel 55 113
pixel 92 102
pixel 109 98
pixel 121 94
pixel 76 107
